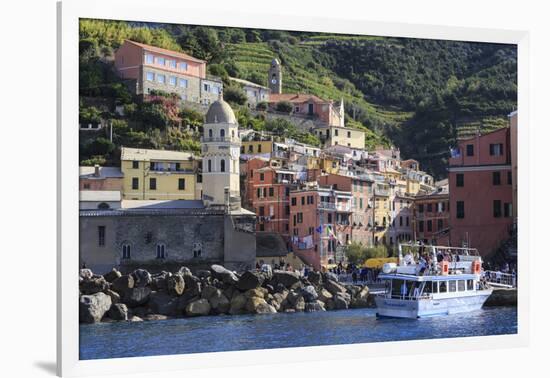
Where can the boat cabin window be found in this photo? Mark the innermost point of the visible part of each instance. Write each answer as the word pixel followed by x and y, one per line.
pixel 443 286
pixel 428 287
pixel 434 287
pixel 452 286
pixel 461 285
pixel 470 284
pixel 396 287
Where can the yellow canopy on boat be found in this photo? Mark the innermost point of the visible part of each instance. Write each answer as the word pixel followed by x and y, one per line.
pixel 377 262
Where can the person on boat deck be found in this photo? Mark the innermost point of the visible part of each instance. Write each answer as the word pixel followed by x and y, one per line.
pixel 422 265
pixel 416 291
pixel 409 259
pixel 439 257
pixel 404 289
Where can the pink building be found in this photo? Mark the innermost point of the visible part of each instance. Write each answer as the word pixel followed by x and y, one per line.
pixel 480 191
pixel 148 68
pixel 312 207
pixel 100 179
pixel 310 106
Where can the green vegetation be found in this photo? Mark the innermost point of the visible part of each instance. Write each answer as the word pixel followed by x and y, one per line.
pixel 358 253
pixel 421 95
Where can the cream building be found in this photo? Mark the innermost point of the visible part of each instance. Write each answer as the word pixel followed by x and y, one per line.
pixel 341 136
pixel 220 150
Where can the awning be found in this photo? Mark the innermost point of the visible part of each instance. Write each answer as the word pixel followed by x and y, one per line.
pixel 378 262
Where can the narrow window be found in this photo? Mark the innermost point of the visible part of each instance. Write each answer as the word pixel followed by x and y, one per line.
pixel 271 193
pixel 181 184
pixel 469 150
pixel 101 235
pixel 262 211
pixel 126 252
pixel 420 226
pixel 135 164
pixel 509 174
pixel 460 179
pixel 153 183
pixel 261 177
pixel 210 133
pixel 460 209
pixel 258 193
pixel 222 133
pixel 496 178
pixel 161 251
pixel 439 224
pixel 497 208
pixel 507 210
pixel 293 201
pixel 149 59
pixel 222 165
pixel 429 224
pixel 259 148
pixel 209 165
pixel 303 201
pixel 135 183
pixel 420 208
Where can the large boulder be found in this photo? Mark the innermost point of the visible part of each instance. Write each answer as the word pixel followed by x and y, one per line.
pixel 136 296
pixel 115 297
pixel 330 276
pixel 224 275
pixel 280 297
pixel 361 299
pixel 141 277
pixel 162 303
pixel 185 271
pixel 198 308
pixel 250 280
pixel 309 294
pixel 93 307
pixel 256 305
pixel 300 304
pixel 219 303
pixel 175 284
pixel 93 285
pixel 315 278
pixel 158 281
pixel 192 285
pixel 314 306
pixel 123 283
pixel 334 287
pixel 259 292
pixel 209 291
pixel 287 279
pixel 112 275
pixel 340 302
pixel 118 311
pixel 85 274
pixel 237 305
pixel 324 295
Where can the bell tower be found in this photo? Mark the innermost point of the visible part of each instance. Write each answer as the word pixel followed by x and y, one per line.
pixel 275 77
pixel 220 154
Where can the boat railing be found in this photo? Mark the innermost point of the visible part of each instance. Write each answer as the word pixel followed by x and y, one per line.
pixel 407 297
pixel 500 279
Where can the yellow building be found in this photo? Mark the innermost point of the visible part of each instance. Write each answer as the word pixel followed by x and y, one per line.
pixel 382 211
pixel 254 147
pixel 341 136
pixel 327 164
pixel 159 175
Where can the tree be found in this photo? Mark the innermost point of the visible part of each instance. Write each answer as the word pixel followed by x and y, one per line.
pixel 355 253
pixel 235 95
pixel 284 107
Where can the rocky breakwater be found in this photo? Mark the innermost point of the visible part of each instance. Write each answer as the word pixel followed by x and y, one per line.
pixel 143 296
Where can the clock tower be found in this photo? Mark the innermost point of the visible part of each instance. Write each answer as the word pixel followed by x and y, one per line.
pixel 221 145
pixel 275 77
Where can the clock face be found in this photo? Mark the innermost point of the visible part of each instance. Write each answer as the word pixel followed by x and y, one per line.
pixel 274 81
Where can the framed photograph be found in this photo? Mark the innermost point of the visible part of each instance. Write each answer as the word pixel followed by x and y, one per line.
pixel 235 186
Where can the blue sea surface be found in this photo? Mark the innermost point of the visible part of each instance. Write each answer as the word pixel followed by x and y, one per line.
pixel 246 332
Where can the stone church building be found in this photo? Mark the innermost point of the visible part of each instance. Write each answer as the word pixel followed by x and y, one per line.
pixel 166 234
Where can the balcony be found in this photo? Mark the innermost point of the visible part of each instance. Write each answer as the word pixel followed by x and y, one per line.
pixel 220 139
pixel 343 207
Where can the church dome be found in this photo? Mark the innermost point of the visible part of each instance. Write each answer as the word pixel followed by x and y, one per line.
pixel 220 112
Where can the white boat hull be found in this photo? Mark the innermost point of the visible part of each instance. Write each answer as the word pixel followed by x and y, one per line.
pixel 404 308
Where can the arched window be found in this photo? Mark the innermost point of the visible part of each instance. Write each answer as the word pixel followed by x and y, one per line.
pixel 126 253
pixel 222 166
pixel 209 165
pixel 210 133
pixel 233 133
pixel 222 133
pixel 161 251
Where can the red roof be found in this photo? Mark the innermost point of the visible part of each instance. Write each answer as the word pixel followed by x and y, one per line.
pixel 165 51
pixel 295 98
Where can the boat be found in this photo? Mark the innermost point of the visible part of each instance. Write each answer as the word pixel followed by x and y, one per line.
pixel 432 281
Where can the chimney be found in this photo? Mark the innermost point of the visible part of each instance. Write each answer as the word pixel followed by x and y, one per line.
pixel 96 170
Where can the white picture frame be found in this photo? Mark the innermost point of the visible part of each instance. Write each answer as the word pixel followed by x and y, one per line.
pixel 69 12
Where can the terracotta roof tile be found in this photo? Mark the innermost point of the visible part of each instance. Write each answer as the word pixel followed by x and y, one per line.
pixel 165 51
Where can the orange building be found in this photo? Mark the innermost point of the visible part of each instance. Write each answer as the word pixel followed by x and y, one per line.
pixel 431 218
pixel 480 191
pixel 310 106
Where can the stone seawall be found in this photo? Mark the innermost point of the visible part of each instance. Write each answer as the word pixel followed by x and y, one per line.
pixel 141 295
